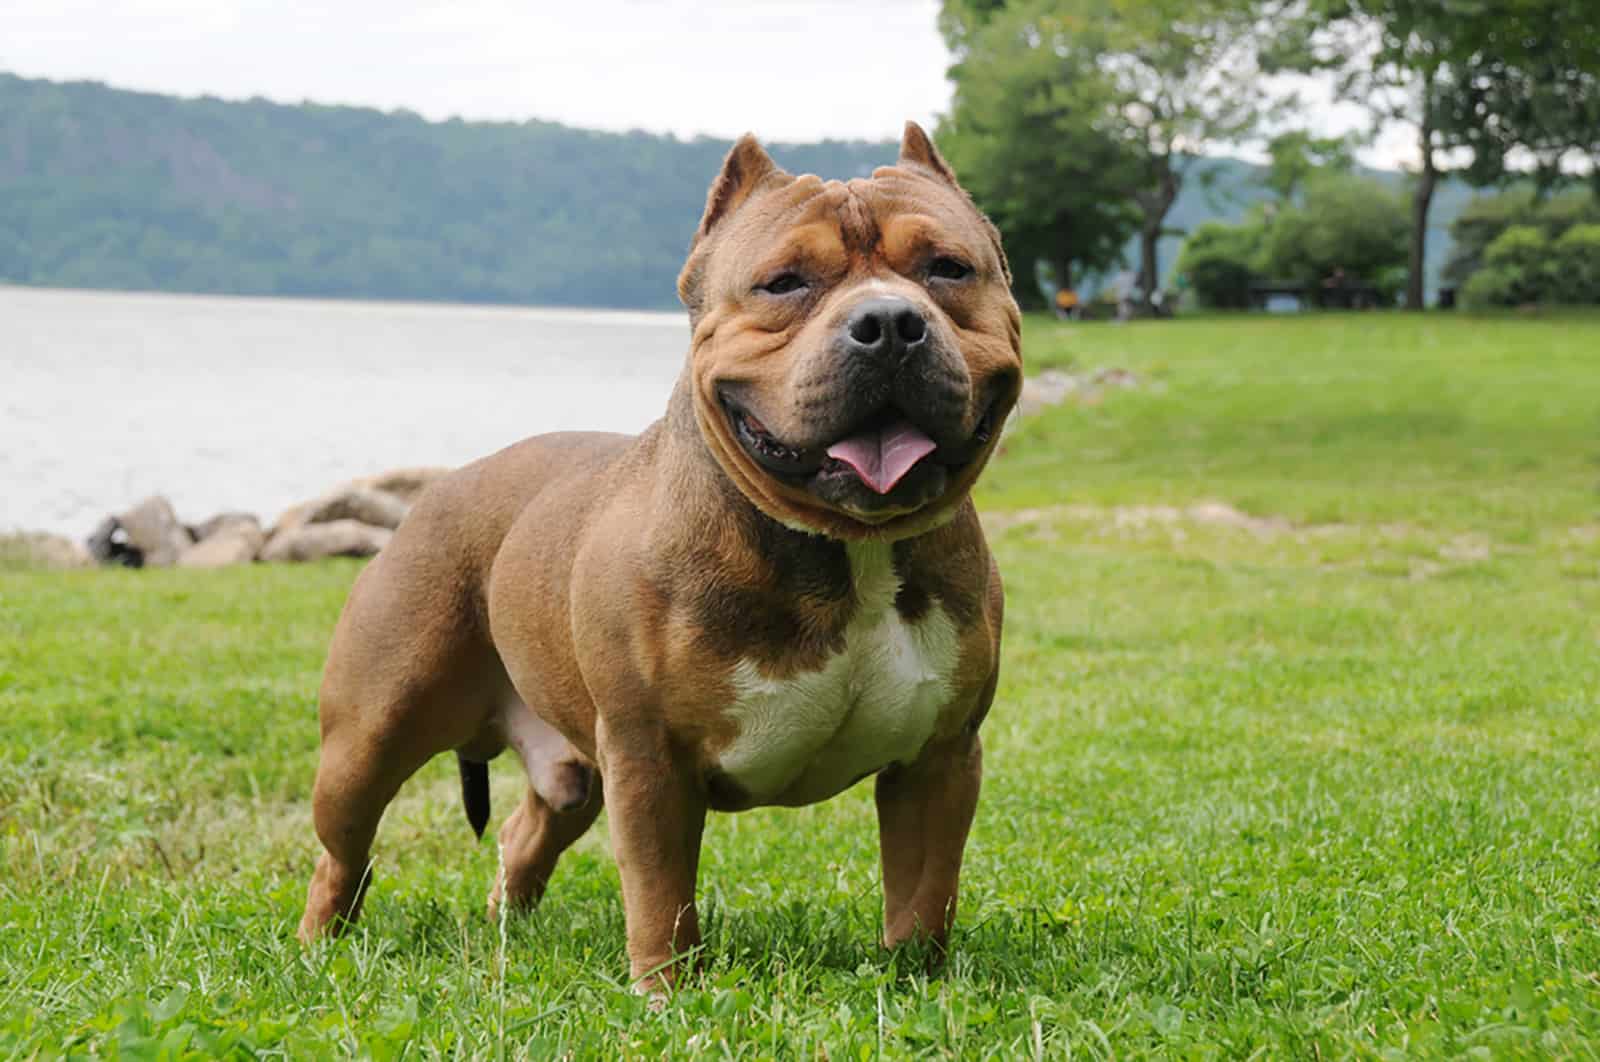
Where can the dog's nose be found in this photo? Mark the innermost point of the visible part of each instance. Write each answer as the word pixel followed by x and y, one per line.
pixel 885 325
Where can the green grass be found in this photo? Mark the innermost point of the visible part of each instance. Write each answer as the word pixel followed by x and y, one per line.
pixel 1321 783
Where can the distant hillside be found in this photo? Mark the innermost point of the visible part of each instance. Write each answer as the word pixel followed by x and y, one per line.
pixel 103 188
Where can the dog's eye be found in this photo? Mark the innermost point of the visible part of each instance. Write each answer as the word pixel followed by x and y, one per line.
pixel 783 284
pixel 947 268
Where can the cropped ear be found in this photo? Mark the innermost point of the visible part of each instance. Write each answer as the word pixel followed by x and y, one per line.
pixel 743 171
pixel 917 150
pixel 746 166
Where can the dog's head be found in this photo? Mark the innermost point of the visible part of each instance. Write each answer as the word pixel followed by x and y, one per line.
pixel 855 345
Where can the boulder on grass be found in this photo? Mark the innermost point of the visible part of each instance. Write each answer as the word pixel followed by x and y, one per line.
pixel 108 544
pixel 149 535
pixel 376 507
pixel 232 538
pixel 407 483
pixel 340 538
pixel 222 522
pixel 380 500
pixel 41 549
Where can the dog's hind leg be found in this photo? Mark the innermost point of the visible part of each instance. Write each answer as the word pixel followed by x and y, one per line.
pixel 355 783
pixel 560 805
pixel 531 841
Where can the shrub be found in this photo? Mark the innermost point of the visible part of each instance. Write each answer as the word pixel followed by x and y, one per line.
pixel 1346 223
pixel 1219 261
pixel 1486 218
pixel 1518 268
pixel 1476 227
pixel 1576 265
pixel 1489 287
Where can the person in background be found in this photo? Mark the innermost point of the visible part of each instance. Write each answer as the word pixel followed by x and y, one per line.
pixel 1066 304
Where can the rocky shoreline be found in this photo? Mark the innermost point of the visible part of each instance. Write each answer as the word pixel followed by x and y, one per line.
pixel 354 519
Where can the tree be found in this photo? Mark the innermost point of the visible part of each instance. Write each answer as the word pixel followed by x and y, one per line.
pixel 1527 92
pixel 1486 217
pixel 1486 76
pixel 1222 261
pixel 1517 270
pixel 1026 145
pixel 1132 88
pixel 1297 156
pixel 1349 226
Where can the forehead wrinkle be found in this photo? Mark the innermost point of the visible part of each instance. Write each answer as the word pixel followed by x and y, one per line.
pixel 906 233
pixel 816 243
pixel 857 222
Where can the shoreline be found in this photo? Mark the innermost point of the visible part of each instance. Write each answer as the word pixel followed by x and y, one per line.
pixel 663 316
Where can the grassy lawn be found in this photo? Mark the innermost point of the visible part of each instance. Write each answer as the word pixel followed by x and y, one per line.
pixel 1295 754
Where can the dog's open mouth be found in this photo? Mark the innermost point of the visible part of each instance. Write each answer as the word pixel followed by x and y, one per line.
pixel 880 454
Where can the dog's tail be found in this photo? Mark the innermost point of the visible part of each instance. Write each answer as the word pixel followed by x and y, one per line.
pixel 474 792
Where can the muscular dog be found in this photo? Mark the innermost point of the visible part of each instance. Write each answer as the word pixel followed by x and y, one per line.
pixel 777 590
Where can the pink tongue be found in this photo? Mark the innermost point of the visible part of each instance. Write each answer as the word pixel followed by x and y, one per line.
pixel 882 458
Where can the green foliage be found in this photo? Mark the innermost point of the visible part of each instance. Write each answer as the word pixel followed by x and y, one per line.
pixel 1493 79
pixel 1027 148
pixel 1296 157
pixel 103 188
pixel 1477 226
pixel 1221 261
pixel 1577 266
pixel 1347 227
pixel 1521 247
pixel 1525 90
pixel 1514 248
pixel 1346 224
pixel 1523 265
pixel 1516 270
pixel 1311 776
pixel 1075 121
pixel 1485 218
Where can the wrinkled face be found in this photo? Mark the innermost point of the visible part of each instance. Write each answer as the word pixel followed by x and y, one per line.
pixel 855 348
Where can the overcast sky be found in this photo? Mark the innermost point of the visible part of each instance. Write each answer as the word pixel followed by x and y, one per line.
pixel 785 69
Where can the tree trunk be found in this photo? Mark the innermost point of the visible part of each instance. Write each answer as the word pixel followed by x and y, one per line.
pixel 1149 261
pixel 1061 268
pixel 1421 200
pixel 1155 205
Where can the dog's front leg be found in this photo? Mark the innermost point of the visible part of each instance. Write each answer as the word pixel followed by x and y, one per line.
pixel 656 816
pixel 924 811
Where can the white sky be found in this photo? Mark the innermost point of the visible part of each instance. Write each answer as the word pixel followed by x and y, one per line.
pixel 785 69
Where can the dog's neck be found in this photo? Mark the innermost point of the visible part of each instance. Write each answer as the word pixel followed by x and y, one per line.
pixel 699 477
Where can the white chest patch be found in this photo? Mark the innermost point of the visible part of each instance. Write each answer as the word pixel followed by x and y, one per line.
pixel 810 735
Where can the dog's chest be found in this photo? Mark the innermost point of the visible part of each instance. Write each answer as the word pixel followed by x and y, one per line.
pixel 807 736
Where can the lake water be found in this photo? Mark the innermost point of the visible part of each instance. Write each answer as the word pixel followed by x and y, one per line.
pixel 255 404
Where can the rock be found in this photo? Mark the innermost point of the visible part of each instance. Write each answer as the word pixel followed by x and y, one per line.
pixel 232 538
pixel 405 482
pixel 108 544
pixel 1054 386
pixel 340 538
pixel 223 550
pixel 41 549
pixel 1048 388
pixel 222 522
pixel 1115 377
pixel 355 500
pixel 146 536
pixel 363 504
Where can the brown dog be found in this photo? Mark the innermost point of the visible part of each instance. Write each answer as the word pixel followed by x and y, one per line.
pixel 776 590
